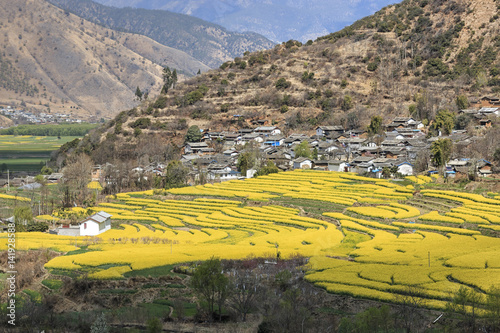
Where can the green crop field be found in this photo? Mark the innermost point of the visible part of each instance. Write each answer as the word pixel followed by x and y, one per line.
pixel 26 152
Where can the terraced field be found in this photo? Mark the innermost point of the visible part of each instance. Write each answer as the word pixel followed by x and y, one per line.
pixel 28 153
pixel 365 237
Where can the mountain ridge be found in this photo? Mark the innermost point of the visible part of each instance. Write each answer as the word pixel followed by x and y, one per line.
pixel 209 43
pixel 68 65
pixel 278 20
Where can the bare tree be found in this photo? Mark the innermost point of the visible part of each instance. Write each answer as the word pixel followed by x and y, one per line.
pixel 77 175
pixel 412 303
pixel 243 298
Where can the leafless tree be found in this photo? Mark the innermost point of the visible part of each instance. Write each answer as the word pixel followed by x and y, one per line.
pixel 77 175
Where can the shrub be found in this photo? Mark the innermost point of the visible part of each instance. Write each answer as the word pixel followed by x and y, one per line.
pixel 282 83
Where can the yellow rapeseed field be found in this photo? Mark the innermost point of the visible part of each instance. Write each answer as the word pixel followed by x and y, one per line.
pixel 365 244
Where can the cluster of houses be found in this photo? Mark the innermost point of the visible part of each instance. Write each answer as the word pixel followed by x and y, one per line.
pixel 214 158
pixel 333 148
pixel 23 116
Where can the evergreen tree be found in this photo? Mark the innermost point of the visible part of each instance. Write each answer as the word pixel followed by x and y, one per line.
pixel 169 79
pixel 375 126
pixel 441 152
pixel 138 93
pixel 193 134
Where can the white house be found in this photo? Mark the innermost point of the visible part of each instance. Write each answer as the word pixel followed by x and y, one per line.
pixel 405 168
pixel 328 130
pixel 302 163
pixel 267 130
pixel 95 224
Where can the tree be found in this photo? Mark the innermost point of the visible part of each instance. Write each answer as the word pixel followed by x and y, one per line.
pixel 169 79
pixel 245 161
pixel 174 78
pixel 100 325
pixel 375 126
pixel 46 170
pixel 493 307
pixel 154 325
pixel 77 175
pixel 270 167
pixel 138 93
pixel 464 303
pixel 193 134
pixel 412 300
pixel 441 152
pixel 211 284
pixel 243 299
pixel 462 121
pixel 445 121
pixel 462 102
pixel 386 172
pixel 303 150
pixel 496 155
pixel 176 175
pixel 347 103
pixel 314 154
pixel 43 191
pixel 22 217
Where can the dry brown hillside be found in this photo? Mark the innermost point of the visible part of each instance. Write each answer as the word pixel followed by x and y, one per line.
pixel 56 61
pixel 413 58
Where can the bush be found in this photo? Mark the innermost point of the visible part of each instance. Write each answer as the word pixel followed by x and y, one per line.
pixel 37 227
pixel 141 123
pixel 282 83
pixel 160 103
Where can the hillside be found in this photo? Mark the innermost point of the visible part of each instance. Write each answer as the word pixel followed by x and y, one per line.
pixel 209 43
pixel 278 20
pixel 55 61
pixel 416 56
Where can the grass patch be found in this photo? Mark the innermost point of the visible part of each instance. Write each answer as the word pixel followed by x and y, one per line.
pixel 34 295
pixel 65 272
pixel 82 249
pixel 154 272
pixel 189 308
pixel 310 206
pixel 151 285
pixel 176 286
pixel 53 284
pixel 118 291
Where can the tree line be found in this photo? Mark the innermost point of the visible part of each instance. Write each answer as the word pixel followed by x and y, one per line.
pixel 50 130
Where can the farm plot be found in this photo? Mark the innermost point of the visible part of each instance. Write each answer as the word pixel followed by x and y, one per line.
pixel 377 247
pixel 28 153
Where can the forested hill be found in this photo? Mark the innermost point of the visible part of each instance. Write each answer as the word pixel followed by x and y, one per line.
pixel 209 43
pixel 414 58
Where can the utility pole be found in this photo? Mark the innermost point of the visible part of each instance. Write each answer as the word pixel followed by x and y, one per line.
pixel 8 181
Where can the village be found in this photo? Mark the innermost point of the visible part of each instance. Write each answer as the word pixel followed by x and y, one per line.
pixel 402 150
pixel 21 116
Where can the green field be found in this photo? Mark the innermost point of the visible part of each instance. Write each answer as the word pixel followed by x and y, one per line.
pixel 26 152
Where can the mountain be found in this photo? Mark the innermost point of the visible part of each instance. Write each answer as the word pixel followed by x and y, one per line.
pixel 410 59
pixel 210 43
pixel 57 62
pixel 278 20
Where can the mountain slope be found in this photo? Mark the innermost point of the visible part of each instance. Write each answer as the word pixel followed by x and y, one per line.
pixel 56 61
pixel 278 20
pixel 414 59
pixel 207 42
